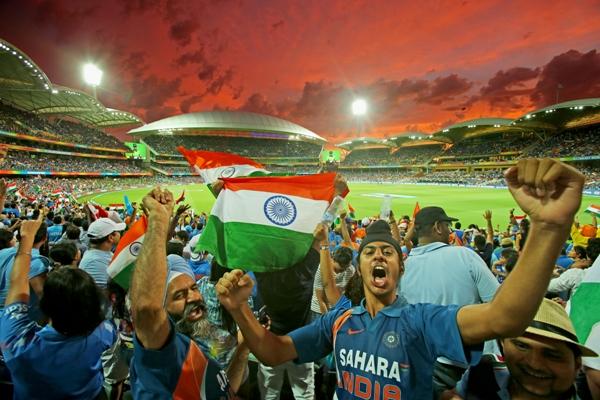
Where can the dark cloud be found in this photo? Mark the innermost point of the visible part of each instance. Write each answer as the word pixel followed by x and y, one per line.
pixel 507 90
pixel 217 84
pixel 182 31
pixel 63 17
pixel 258 103
pixel 152 91
pixel 132 7
pixel 158 112
pixel 445 88
pixel 574 74
pixel 195 57
pixel 187 103
pixel 207 72
pixel 277 25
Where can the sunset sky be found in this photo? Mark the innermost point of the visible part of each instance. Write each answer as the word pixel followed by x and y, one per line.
pixel 421 65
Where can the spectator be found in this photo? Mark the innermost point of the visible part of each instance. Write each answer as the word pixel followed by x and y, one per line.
pixel 104 235
pixel 77 335
pixel 541 363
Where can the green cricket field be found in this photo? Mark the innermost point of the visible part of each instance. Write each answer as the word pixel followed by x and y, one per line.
pixel 467 204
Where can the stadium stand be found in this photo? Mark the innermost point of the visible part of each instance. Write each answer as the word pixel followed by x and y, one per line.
pixel 256 148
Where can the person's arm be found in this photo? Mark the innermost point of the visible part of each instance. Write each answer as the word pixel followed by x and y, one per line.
pixel 593 380
pixel 238 364
pixel 320 295
pixel 344 229
pixel 409 235
pixel 566 281
pixel 394 227
pixel 490 229
pixel 550 193
pixel 18 290
pixel 174 220
pixel 148 285
pixel 332 292
pixel 37 284
pixel 233 290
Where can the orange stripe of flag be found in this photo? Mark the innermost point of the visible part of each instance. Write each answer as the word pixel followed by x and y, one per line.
pixel 213 159
pixel 316 187
pixel 133 233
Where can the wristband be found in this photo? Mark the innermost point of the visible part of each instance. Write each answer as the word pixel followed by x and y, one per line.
pixel 23 253
pixel 324 247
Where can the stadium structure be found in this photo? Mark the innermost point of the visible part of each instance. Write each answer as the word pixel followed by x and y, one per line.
pixel 47 130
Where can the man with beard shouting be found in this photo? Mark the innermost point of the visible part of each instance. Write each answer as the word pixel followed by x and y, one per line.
pixel 385 348
pixel 168 311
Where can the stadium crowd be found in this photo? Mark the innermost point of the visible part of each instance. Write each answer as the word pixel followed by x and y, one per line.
pixel 248 147
pixel 19 160
pixel 416 154
pixel 184 326
pixel 17 121
pixel 573 143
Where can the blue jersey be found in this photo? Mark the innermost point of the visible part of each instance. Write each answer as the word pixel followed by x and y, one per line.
pixel 177 371
pixel 390 356
pixel 45 364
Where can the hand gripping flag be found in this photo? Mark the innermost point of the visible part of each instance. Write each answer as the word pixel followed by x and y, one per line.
pixel 266 223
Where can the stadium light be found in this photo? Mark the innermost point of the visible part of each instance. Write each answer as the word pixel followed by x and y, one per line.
pixel 359 107
pixel 92 75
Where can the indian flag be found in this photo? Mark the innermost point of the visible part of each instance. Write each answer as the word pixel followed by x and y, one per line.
pixel 584 307
pixel 266 223
pixel 121 266
pixel 213 165
pixel 593 209
pixel 11 187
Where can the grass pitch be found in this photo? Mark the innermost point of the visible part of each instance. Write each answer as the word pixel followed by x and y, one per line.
pixel 467 204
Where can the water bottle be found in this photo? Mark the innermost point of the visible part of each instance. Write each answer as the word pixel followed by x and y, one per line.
pixel 333 210
pixel 386 207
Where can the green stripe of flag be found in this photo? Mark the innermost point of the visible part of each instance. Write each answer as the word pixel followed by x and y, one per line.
pixel 585 308
pixel 123 278
pixel 243 245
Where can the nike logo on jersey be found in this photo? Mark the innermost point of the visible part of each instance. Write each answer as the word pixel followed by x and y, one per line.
pixel 355 331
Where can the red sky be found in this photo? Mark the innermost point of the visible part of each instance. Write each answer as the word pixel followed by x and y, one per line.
pixel 421 65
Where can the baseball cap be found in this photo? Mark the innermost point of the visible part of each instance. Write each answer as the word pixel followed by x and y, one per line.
pixel 194 255
pixel 429 215
pixel 103 227
pixel 506 242
pixel 552 321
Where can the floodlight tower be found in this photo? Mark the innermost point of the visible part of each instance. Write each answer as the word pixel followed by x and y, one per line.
pixel 92 75
pixel 359 110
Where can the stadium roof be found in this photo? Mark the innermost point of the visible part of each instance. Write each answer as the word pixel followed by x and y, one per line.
pixel 475 128
pixel 413 138
pixel 225 121
pixel 366 143
pixel 25 86
pixel 566 115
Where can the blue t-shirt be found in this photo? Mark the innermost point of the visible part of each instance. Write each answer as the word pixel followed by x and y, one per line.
pixel 95 262
pixel 39 266
pixel 44 364
pixel 54 233
pixel 177 371
pixel 564 261
pixel 389 356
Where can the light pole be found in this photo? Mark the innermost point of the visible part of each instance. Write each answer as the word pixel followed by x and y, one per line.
pixel 92 75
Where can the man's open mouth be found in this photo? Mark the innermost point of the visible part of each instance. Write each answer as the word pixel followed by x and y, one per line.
pixel 379 276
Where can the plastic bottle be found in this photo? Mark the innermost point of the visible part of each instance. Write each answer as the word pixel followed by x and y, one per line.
pixel 386 207
pixel 333 210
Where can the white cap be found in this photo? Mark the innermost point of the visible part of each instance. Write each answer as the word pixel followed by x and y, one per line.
pixel 193 255
pixel 103 227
